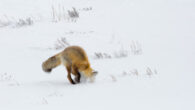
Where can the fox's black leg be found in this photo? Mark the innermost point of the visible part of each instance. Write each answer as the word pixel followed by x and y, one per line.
pixel 76 73
pixel 69 75
pixel 78 77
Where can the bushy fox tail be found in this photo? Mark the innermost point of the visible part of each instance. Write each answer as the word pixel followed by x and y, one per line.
pixel 51 63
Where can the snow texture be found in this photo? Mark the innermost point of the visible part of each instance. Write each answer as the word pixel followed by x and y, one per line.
pixel 144 52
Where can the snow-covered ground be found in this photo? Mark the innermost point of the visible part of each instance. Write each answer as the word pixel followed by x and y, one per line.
pixel 143 50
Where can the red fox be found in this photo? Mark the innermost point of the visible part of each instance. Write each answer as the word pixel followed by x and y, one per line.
pixel 76 62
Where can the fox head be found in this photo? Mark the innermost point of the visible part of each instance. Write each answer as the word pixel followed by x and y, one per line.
pixel 89 72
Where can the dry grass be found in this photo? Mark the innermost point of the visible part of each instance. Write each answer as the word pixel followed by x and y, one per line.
pixel 113 78
pixel 59 13
pixel 6 21
pixel 99 55
pixel 136 48
pixel 150 72
pixel 61 43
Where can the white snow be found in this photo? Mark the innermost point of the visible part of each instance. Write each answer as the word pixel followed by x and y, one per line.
pixel 146 54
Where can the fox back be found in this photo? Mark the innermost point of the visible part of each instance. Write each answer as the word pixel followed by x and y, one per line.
pixel 74 55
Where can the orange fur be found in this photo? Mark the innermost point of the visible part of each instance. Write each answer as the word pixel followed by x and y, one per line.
pixel 74 59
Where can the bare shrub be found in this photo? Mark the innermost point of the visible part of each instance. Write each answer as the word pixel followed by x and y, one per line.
pixel 124 73
pixel 113 78
pixel 86 8
pixel 133 72
pixel 136 48
pixel 24 22
pixel 150 72
pixel 116 54
pixel 61 43
pixel 99 55
pixel 59 14
pixel 44 101
pixel 11 21
pixel 120 54
pixel 73 13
